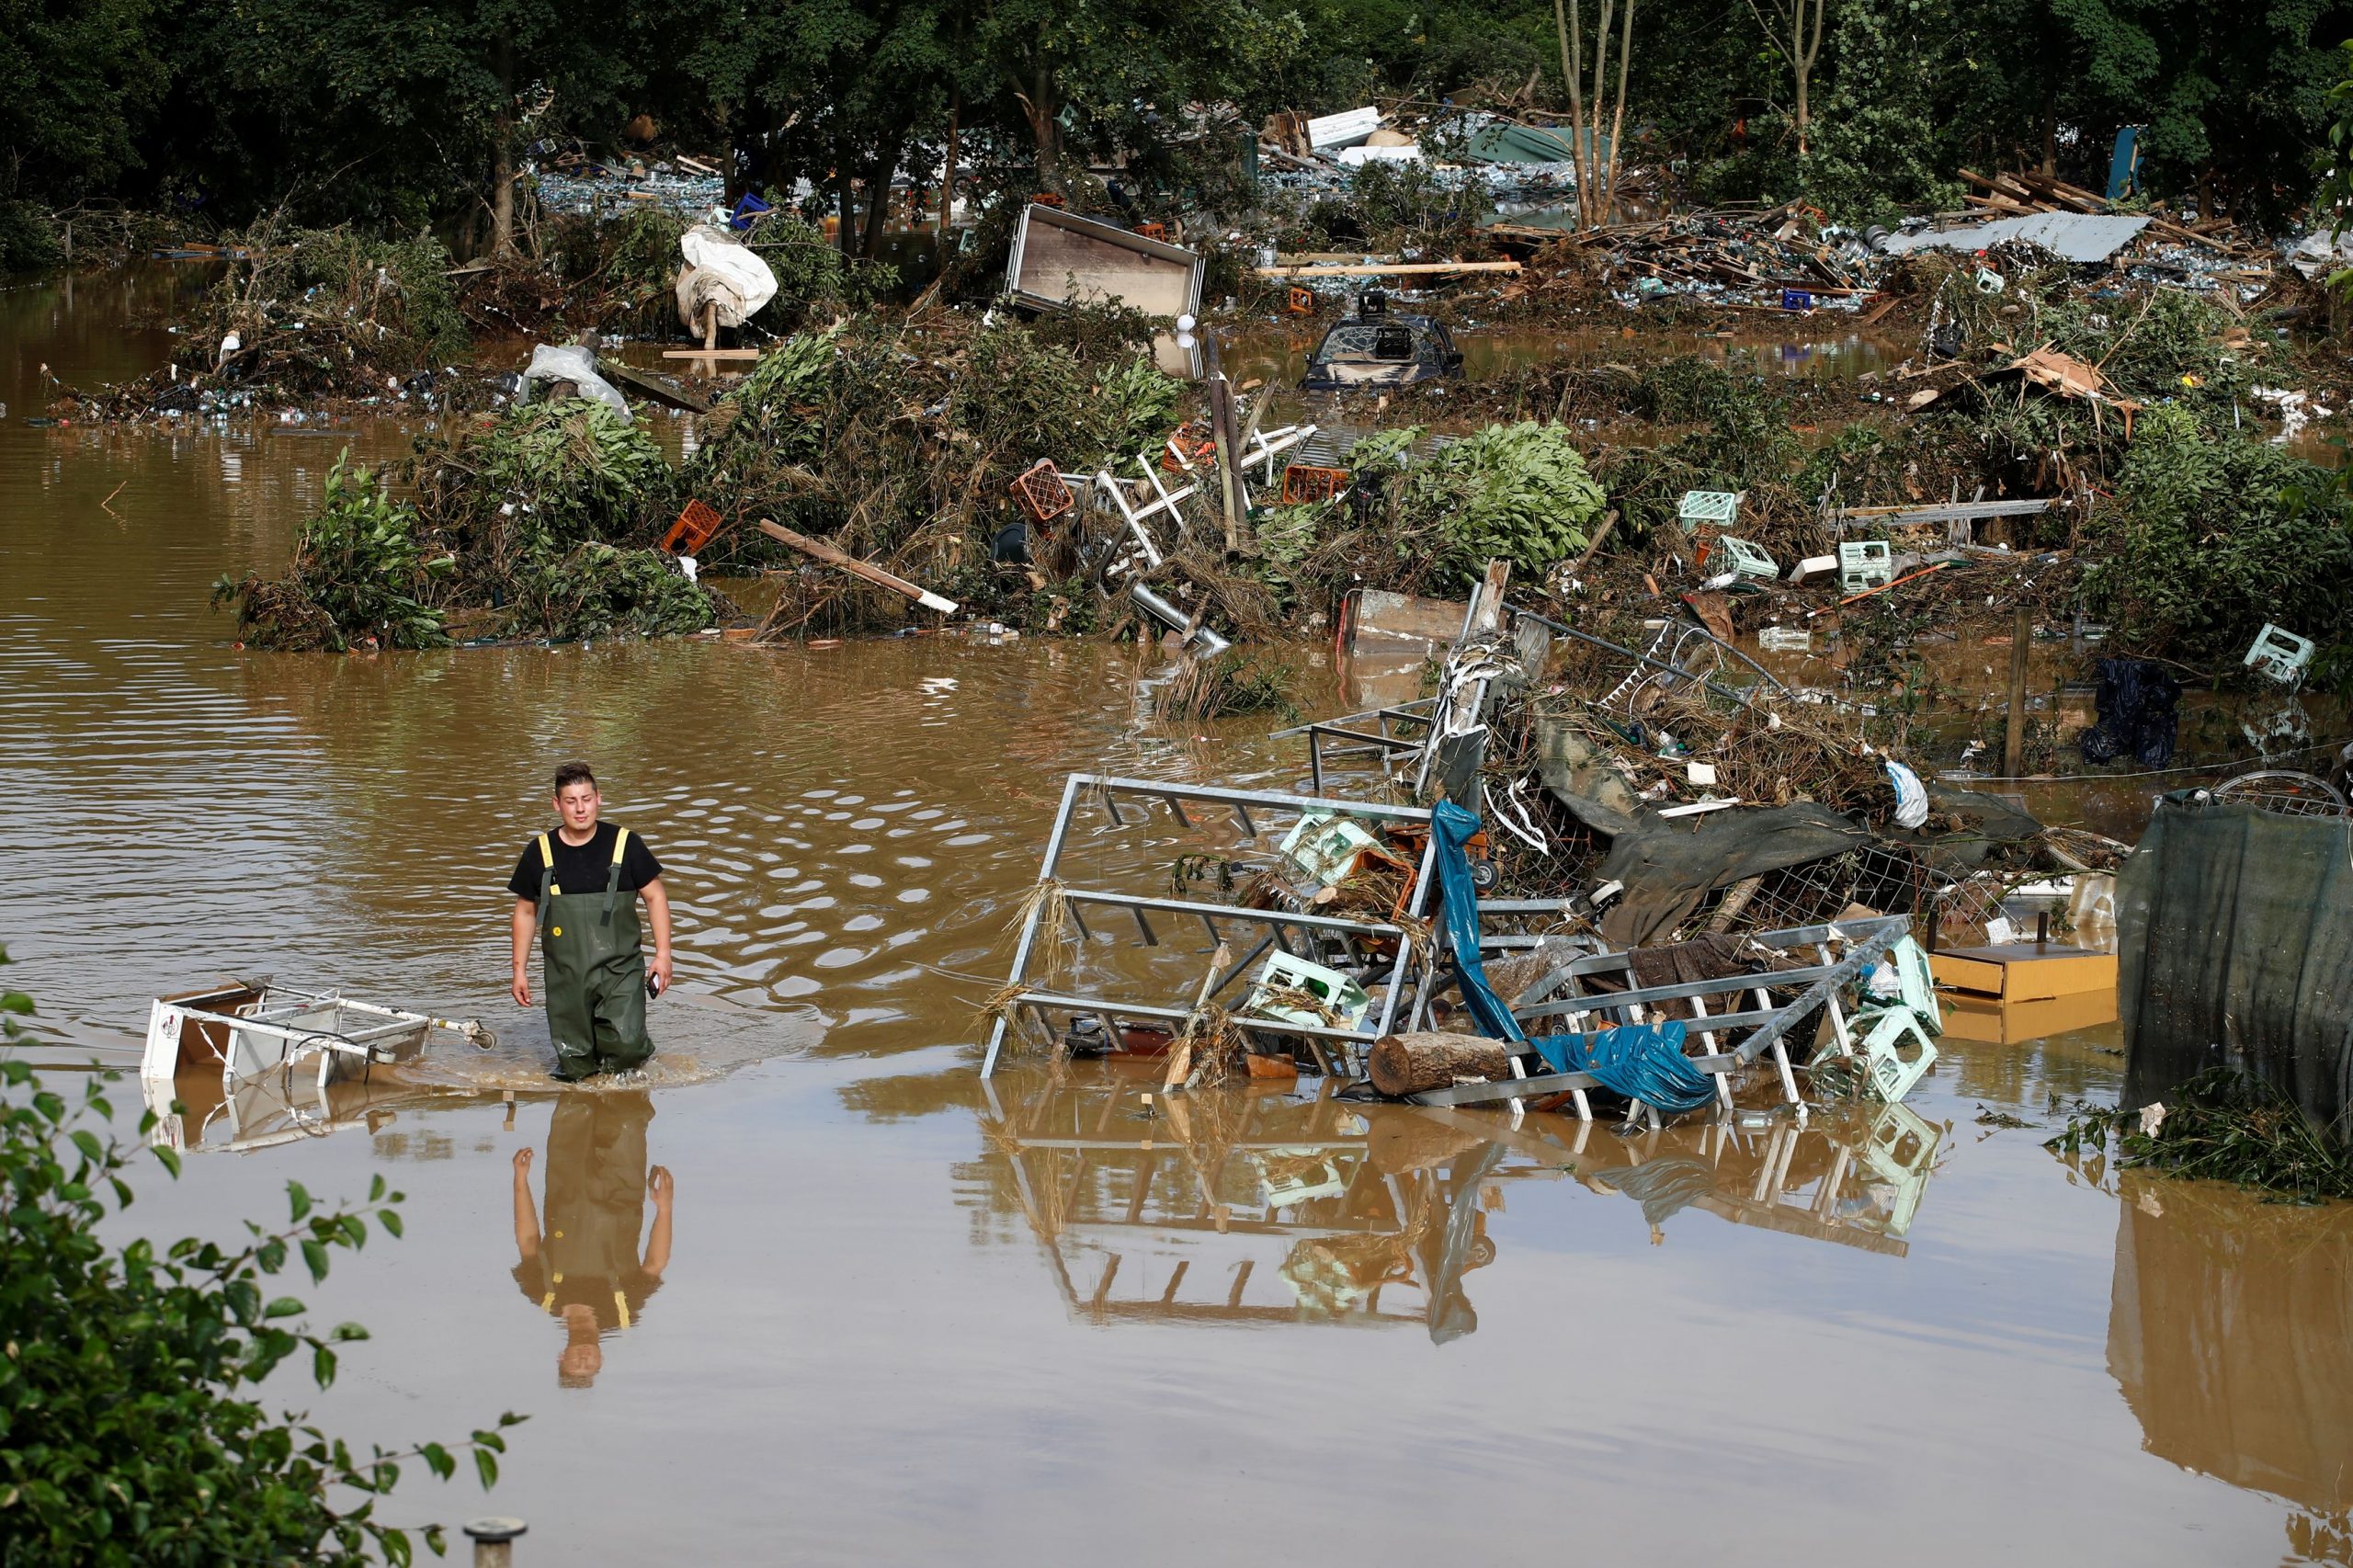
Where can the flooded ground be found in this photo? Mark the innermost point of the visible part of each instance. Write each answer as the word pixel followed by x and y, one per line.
pixel 845 1304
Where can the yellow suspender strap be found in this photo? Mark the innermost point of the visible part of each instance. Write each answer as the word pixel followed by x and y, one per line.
pixel 621 842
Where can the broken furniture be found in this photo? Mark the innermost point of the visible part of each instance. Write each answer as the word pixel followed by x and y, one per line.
pixel 1598 993
pixel 1060 259
pixel 1383 953
pixel 246 1029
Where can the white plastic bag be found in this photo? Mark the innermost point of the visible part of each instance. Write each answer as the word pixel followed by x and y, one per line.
pixel 721 273
pixel 1911 797
pixel 549 363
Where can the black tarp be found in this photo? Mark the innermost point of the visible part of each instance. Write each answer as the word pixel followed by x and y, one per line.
pixel 2234 931
pixel 1668 864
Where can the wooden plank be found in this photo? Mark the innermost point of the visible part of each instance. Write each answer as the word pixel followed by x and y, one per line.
pixel 653 387
pixel 711 353
pixel 819 549
pixel 1410 269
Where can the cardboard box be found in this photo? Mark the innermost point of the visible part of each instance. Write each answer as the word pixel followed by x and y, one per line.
pixel 1992 1022
pixel 2025 972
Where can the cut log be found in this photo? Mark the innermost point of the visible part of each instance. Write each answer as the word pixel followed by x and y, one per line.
pixel 1409 1064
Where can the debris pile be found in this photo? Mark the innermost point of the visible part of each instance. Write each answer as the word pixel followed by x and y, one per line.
pixel 1778 258
pixel 1562 920
pixel 309 315
pixel 537 523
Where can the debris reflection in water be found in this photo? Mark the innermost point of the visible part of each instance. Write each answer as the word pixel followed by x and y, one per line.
pixel 1263 1205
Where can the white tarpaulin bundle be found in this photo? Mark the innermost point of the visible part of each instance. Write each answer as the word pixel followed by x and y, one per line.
pixel 721 273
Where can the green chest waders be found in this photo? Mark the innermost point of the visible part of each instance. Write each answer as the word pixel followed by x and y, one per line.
pixel 595 972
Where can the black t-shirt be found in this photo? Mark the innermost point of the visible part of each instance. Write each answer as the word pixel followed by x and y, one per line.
pixel 584 868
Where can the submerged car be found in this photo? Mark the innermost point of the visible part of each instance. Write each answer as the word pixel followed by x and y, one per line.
pixel 1383 350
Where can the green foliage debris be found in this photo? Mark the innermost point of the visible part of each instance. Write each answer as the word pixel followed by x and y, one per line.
pixel 2222 1125
pixel 1516 491
pixel 2212 535
pixel 359 570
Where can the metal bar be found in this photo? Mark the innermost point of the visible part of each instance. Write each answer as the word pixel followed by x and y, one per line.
pixel 1725 692
pixel 1041 1000
pixel 1071 787
pixel 1416 711
pixel 1781 979
pixel 1865 950
pixel 1329 923
pixel 1272 800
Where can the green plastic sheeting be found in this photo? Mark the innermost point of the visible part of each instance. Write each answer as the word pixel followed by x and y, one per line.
pixel 1506 143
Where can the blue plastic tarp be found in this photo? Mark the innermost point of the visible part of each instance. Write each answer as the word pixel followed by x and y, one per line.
pixel 1643 1062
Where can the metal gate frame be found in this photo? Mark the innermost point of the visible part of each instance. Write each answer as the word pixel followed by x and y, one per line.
pixel 1033 1005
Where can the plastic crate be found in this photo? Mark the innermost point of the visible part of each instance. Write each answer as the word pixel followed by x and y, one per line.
pixel 1709 506
pixel 1341 1002
pixel 1745 560
pixel 1303 482
pixel 1865 563
pixel 696 526
pixel 1041 491
pixel 1897 1054
pixel 2279 653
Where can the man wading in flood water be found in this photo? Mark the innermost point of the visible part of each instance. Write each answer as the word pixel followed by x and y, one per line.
pixel 580 886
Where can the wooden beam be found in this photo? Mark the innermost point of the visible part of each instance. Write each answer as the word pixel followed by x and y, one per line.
pixel 820 550
pixel 1377 270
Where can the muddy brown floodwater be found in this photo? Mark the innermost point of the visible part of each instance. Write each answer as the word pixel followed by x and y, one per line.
pixel 821 1295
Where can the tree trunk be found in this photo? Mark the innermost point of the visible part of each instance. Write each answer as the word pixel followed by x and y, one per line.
pixel 1572 67
pixel 502 161
pixel 1409 1064
pixel 2051 129
pixel 1618 120
pixel 878 200
pixel 1038 107
pixel 846 203
pixel 948 169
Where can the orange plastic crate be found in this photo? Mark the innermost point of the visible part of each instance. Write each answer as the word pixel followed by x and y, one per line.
pixel 1041 491
pixel 1304 482
pixel 696 526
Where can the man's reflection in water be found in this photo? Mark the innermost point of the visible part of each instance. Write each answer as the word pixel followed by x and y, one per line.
pixel 585 1270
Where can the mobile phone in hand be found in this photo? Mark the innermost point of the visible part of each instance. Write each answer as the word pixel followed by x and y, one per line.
pixel 654 985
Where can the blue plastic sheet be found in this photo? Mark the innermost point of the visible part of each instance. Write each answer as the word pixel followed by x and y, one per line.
pixel 1643 1062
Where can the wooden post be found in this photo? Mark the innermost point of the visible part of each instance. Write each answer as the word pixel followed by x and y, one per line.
pixel 1220 398
pixel 2014 744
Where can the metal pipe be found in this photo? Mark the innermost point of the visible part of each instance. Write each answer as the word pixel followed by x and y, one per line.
pixel 1177 620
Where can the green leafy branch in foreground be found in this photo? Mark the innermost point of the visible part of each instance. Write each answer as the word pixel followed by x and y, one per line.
pixel 125 1436
pixel 2222 1125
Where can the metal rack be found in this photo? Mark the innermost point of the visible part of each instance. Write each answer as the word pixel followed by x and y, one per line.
pixel 1254 813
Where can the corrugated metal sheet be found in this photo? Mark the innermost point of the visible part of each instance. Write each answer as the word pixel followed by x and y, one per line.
pixel 2078 236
